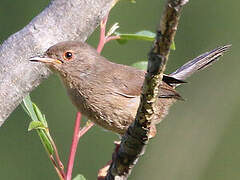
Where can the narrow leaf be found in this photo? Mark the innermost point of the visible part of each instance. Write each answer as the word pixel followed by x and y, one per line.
pixel 40 116
pixel 38 122
pixel 122 41
pixel 25 109
pixel 36 125
pixel 27 103
pixel 173 47
pixel 141 35
pixel 45 141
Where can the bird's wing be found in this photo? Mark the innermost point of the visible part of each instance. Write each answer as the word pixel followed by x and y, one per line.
pixel 129 83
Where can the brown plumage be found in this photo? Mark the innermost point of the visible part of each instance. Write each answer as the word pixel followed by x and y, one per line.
pixel 108 93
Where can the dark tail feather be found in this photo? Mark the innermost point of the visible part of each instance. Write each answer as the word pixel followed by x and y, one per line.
pixel 199 63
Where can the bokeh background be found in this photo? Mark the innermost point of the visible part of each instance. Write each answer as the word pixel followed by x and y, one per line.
pixel 199 140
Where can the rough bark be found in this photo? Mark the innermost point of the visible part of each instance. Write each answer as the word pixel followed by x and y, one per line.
pixel 136 138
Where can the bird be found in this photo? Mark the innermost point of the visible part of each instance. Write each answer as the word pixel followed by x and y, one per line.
pixel 108 93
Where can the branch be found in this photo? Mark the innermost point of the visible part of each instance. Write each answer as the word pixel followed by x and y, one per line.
pixel 136 137
pixel 62 20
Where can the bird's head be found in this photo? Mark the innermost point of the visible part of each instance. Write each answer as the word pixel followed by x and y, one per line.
pixel 67 55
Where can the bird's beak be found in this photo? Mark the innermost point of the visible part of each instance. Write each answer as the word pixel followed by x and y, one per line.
pixel 46 60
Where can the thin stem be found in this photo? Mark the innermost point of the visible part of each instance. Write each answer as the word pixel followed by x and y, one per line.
pixel 85 129
pixel 60 175
pixel 100 46
pixel 60 172
pixel 112 38
pixel 73 149
pixel 102 39
pixel 60 164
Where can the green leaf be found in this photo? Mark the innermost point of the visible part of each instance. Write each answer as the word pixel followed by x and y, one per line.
pixel 36 125
pixel 141 35
pixel 28 107
pixel 25 109
pixel 133 1
pixel 45 141
pixel 122 41
pixel 79 177
pixel 40 116
pixel 43 134
pixel 149 34
pixel 38 122
pixel 173 47
pixel 140 65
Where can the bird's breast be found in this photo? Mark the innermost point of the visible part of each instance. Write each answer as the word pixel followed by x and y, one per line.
pixel 101 105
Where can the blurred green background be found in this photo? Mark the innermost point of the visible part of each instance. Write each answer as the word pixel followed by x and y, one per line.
pixel 199 138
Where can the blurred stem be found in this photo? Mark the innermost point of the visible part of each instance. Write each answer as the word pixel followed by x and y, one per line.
pixel 60 175
pixel 60 164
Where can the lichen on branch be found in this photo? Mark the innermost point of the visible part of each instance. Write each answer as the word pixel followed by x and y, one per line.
pixel 136 137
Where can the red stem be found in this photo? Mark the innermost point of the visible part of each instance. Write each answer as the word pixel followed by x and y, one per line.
pixel 112 38
pixel 78 133
pixel 102 39
pixel 73 149
pixel 85 129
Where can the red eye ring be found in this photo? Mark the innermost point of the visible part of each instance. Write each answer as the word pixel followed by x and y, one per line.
pixel 68 55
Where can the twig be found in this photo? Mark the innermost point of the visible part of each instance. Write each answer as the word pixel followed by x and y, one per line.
pixel 136 137
pixel 103 39
pixel 60 175
pixel 60 164
pixel 85 129
pixel 103 24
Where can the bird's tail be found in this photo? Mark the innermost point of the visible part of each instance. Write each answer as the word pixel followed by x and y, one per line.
pixel 199 63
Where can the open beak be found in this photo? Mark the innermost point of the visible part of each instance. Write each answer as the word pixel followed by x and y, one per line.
pixel 45 60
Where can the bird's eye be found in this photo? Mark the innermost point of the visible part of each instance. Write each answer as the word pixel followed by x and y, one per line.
pixel 68 55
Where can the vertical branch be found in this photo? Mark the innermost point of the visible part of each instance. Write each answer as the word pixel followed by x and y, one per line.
pixel 136 137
